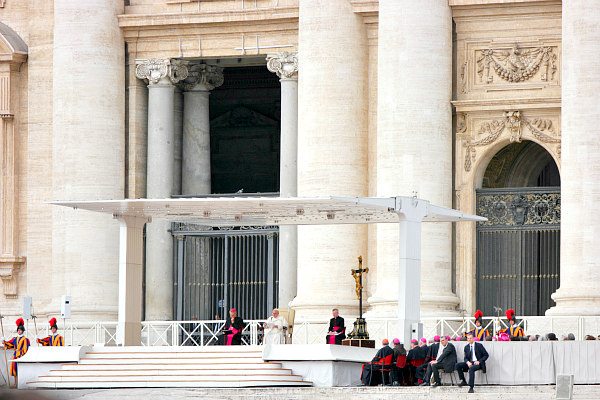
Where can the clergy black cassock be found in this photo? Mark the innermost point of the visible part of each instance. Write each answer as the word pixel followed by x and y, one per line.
pixel 233 331
pixel 336 325
pixel 384 356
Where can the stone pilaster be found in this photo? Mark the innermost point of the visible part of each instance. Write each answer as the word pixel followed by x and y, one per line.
pixel 414 143
pixel 285 65
pixel 580 167
pixel 161 75
pixel 196 171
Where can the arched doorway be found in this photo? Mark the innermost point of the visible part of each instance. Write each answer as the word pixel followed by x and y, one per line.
pixel 518 248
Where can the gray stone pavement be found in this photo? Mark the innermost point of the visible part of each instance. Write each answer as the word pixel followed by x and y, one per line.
pixel 581 392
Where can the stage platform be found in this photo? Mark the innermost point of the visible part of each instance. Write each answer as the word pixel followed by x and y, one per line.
pixel 320 365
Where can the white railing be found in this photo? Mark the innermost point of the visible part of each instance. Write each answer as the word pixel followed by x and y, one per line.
pixel 207 333
pixel 309 332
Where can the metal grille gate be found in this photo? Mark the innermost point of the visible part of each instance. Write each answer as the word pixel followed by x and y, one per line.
pixel 518 249
pixel 216 269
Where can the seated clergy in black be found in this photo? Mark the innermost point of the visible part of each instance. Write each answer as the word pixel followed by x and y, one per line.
pixel 432 352
pixel 383 357
pixel 446 360
pixel 337 329
pixel 415 358
pixel 475 358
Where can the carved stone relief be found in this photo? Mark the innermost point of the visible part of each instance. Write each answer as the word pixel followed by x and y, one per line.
pixel 512 123
pixel 516 64
pixel 490 66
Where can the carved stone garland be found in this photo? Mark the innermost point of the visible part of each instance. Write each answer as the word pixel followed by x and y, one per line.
pixel 541 129
pixel 517 65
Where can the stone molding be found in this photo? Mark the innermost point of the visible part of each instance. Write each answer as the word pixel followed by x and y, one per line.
pixel 9 269
pixel 512 122
pixel 161 70
pixel 284 64
pixel 203 77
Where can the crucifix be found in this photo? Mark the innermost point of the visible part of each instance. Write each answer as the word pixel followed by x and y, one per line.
pixel 360 325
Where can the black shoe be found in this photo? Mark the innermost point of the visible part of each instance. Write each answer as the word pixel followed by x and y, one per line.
pixel 424 384
pixel 436 385
pixel 462 383
pixel 471 390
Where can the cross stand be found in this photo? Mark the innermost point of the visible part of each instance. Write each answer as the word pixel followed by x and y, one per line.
pixel 360 325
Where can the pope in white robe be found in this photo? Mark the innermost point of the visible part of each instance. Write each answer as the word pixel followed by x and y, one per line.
pixel 274 329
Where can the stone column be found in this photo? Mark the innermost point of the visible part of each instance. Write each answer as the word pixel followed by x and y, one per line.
pixel 177 139
pixel 161 74
pixel 201 80
pixel 332 151
pixel 580 162
pixel 285 65
pixel 87 154
pixel 414 143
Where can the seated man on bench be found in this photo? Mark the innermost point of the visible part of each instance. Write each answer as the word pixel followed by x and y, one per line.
pixel 475 358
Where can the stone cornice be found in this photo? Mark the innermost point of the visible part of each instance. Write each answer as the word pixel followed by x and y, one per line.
pixel 157 21
pixel 365 7
pixel 497 10
pixel 503 104
pixel 455 3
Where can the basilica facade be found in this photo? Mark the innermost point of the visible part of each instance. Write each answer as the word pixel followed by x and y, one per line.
pixel 464 103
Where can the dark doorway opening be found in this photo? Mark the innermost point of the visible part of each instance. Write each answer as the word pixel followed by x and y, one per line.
pixel 245 131
pixel 518 248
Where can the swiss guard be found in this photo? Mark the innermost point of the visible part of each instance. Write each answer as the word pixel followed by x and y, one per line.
pixel 479 332
pixel 53 339
pixel 513 329
pixel 19 343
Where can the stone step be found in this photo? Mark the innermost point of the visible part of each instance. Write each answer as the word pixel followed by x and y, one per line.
pixel 101 361
pixel 166 384
pixel 182 365
pixel 172 372
pixel 168 378
pixel 199 355
pixel 176 349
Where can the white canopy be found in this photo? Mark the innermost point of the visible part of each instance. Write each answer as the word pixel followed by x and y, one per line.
pixel 258 211
pixel 407 212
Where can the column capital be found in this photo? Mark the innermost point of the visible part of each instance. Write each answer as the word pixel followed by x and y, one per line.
pixel 284 64
pixel 161 70
pixel 203 77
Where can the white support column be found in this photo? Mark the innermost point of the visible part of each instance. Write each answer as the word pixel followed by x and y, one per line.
pixel 161 74
pixel 285 65
pixel 131 249
pixel 409 277
pixel 580 161
pixel 414 133
pixel 201 80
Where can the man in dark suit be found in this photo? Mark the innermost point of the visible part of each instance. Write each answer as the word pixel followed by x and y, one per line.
pixel 337 329
pixel 445 359
pixel 475 358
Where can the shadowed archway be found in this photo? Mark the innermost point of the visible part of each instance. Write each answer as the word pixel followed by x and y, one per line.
pixel 518 248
